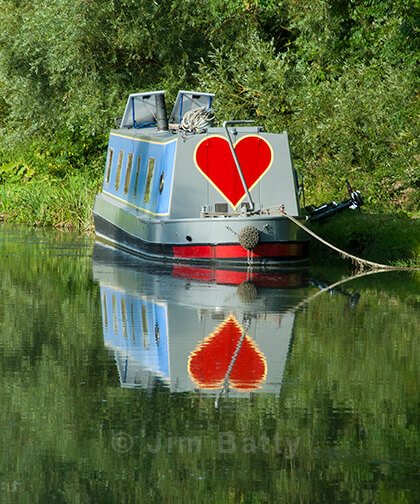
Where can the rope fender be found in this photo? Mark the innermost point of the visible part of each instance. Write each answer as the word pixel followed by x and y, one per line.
pixel 249 237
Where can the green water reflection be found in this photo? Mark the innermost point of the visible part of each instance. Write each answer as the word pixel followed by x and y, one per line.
pixel 336 419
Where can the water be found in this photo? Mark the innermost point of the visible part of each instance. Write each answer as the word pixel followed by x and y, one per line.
pixel 126 383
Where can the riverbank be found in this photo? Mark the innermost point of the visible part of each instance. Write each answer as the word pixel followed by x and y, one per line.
pixel 45 202
pixel 383 238
pixel 67 204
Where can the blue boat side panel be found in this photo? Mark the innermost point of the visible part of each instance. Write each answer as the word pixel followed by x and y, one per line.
pixel 138 327
pixel 156 198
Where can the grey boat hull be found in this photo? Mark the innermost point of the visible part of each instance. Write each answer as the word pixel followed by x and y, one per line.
pixel 200 240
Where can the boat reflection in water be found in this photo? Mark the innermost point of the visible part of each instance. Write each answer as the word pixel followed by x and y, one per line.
pixel 196 329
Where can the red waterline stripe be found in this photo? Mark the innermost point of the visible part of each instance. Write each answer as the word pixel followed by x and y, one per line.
pixel 213 275
pixel 193 251
pixel 237 277
pixel 230 251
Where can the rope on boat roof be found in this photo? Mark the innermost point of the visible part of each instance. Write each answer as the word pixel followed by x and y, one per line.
pixel 197 120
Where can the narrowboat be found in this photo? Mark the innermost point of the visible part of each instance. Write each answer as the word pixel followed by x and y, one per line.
pixel 184 190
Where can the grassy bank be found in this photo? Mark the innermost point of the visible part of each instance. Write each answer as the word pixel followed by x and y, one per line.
pixel 45 202
pixel 384 238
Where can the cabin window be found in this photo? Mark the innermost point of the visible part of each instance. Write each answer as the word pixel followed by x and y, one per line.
pixel 137 175
pixel 120 160
pixel 105 310
pixel 128 173
pixel 149 177
pixel 146 342
pixel 108 166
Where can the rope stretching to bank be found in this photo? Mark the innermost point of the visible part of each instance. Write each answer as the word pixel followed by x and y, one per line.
pixel 361 263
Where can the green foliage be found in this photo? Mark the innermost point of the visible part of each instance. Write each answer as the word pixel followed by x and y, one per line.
pixel 350 107
pixel 341 77
pixel 68 152
pixel 70 64
pixel 361 126
pixel 60 203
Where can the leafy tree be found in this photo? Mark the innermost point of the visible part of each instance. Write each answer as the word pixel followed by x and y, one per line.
pixel 344 88
pixel 340 76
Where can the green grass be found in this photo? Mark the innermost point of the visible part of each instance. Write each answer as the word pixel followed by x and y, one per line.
pixel 44 202
pixel 384 238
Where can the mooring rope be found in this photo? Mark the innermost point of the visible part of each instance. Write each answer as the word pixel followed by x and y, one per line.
pixel 310 298
pixel 225 385
pixel 250 263
pixel 358 261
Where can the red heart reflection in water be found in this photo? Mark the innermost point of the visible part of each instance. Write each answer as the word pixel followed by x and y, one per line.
pixel 208 365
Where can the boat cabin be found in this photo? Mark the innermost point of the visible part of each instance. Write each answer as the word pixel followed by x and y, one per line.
pixel 176 187
pixel 162 169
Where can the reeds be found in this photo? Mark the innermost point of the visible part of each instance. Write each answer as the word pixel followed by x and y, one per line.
pixel 44 202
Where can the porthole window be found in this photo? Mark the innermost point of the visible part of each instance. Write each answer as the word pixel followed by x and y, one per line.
pixel 161 183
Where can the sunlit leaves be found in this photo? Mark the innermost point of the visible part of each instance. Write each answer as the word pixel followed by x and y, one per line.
pixel 340 76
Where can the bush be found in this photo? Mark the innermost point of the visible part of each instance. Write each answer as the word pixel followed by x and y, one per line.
pixel 341 77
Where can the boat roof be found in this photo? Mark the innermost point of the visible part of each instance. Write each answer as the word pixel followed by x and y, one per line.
pixel 141 109
pixel 187 101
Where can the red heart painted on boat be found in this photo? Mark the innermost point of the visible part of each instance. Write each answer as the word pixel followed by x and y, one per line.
pixel 214 159
pixel 209 364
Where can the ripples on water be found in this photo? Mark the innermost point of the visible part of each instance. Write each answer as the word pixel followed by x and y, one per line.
pixel 128 382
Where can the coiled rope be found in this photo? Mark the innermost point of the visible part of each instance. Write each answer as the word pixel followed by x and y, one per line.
pixel 358 261
pixel 197 120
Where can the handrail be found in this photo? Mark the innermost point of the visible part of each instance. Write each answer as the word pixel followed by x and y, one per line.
pixel 235 158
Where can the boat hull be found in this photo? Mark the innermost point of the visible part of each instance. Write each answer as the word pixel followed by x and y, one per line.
pixel 211 241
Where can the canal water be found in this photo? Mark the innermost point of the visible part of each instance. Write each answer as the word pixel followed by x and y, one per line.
pixel 123 382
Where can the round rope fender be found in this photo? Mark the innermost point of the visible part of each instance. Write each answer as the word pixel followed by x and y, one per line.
pixel 247 292
pixel 249 237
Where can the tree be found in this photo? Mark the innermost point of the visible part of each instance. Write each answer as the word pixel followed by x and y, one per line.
pixel 340 76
